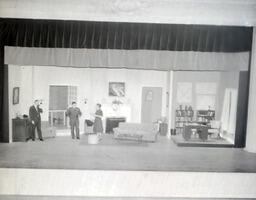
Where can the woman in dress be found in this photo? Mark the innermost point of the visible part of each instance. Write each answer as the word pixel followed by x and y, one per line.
pixel 98 127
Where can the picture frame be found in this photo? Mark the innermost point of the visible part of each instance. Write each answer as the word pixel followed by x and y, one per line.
pixel 116 89
pixel 16 95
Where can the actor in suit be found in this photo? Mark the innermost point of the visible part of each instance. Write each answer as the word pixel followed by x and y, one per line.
pixel 74 113
pixel 35 121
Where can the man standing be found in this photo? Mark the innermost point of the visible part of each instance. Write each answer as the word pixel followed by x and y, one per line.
pixel 35 119
pixel 74 113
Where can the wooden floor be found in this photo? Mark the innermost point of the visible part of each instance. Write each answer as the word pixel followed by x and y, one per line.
pixel 110 154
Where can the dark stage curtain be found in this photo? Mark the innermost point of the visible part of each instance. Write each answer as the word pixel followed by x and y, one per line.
pixel 2 115
pixel 110 35
pixel 113 35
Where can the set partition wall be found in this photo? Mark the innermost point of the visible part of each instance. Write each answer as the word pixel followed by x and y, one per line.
pixel 206 106
pixel 128 45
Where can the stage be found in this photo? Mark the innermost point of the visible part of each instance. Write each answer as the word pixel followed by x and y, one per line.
pixel 110 154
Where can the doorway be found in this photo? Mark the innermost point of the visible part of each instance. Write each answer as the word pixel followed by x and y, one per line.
pixel 151 104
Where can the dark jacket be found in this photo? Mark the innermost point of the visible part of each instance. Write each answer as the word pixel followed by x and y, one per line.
pixel 73 114
pixel 34 114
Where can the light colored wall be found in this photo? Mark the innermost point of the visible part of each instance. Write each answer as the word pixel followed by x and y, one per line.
pixel 19 77
pixel 46 76
pixel 92 84
pixel 27 88
pixel 170 104
pixel 14 77
pixel 192 77
pixel 135 80
pixel 227 80
pixel 222 79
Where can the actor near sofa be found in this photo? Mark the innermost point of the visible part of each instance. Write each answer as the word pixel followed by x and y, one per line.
pixel 35 120
pixel 74 113
pixel 97 126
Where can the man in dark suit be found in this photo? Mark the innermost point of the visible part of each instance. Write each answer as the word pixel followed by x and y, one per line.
pixel 74 113
pixel 35 120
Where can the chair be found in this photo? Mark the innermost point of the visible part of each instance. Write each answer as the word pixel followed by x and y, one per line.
pixel 215 129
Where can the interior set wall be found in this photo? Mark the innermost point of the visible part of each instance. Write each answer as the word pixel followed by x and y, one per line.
pixel 193 78
pixel 222 79
pixel 92 84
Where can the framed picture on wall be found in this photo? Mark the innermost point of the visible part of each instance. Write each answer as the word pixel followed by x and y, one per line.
pixel 15 95
pixel 116 89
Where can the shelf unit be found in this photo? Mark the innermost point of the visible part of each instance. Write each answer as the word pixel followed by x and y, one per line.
pixel 205 116
pixel 183 117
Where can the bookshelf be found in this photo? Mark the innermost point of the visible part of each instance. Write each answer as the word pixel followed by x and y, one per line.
pixel 205 116
pixel 183 117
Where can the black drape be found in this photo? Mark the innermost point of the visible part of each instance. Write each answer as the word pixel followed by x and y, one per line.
pixel 2 115
pixel 113 35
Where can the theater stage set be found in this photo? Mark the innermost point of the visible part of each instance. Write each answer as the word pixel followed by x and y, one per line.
pixel 191 83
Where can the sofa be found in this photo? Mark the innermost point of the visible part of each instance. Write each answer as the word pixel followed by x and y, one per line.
pixel 146 132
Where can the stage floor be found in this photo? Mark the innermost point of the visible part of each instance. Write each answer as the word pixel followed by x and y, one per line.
pixel 110 154
pixel 196 142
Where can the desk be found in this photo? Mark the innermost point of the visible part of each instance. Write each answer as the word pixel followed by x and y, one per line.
pixel 202 131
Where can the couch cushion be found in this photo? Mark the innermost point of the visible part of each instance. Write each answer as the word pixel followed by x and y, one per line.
pixel 148 132
pixel 138 126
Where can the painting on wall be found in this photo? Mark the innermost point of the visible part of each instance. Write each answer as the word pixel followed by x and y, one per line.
pixel 15 95
pixel 116 89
